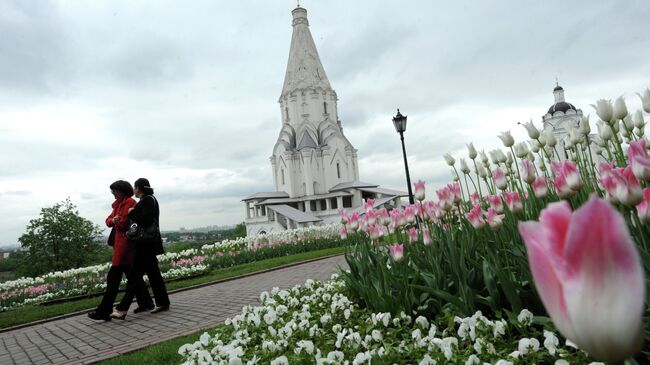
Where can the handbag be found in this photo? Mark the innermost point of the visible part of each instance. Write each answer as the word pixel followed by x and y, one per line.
pixel 111 238
pixel 138 234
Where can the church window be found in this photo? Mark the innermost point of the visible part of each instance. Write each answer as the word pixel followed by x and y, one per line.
pixel 282 170
pixel 335 203
pixel 338 170
pixel 286 113
pixel 324 107
pixel 347 202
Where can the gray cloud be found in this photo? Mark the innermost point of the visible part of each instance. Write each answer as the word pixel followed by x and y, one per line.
pixel 187 95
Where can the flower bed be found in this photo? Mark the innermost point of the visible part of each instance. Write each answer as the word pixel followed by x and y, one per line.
pixel 317 323
pixel 173 265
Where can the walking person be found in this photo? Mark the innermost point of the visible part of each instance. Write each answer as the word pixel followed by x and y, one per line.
pixel 122 252
pixel 145 213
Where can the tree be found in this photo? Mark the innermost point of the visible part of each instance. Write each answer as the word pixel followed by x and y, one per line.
pixel 59 239
pixel 240 231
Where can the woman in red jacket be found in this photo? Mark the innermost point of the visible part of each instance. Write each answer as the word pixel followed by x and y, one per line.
pixel 122 253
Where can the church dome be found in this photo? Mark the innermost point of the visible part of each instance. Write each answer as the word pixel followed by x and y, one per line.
pixel 561 106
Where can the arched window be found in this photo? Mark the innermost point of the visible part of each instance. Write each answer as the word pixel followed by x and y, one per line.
pixel 282 171
pixel 338 170
pixel 324 107
pixel 286 114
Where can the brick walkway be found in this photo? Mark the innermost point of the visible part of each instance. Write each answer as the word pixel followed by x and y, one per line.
pixel 78 340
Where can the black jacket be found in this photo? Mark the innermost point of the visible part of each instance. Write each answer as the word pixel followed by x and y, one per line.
pixel 145 213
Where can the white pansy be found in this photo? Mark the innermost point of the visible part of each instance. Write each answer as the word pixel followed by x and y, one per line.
pixel 550 342
pixel 422 322
pixel 282 360
pixel 473 360
pixel 525 317
pixel 377 336
pixel 561 362
pixel 427 360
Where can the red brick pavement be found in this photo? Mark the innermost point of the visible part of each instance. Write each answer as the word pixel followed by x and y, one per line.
pixel 78 340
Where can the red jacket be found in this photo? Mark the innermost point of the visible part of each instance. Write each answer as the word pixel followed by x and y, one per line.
pixel 122 251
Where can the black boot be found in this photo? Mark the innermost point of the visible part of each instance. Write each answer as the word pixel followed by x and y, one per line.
pixel 94 315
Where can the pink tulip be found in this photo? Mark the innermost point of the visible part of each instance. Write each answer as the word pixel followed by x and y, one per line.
pixel 344 216
pixel 409 214
pixel 643 208
pixel 343 233
pixel 639 160
pixel 562 188
pixel 539 187
pixel 513 200
pixel 369 204
pixel 475 217
pixel 413 234
pixel 589 276
pixel 570 172
pixel 499 178
pixel 426 237
pixel 493 219
pixel 384 217
pixel 446 198
pixel 627 188
pixel 455 192
pixel 474 198
pixel 375 231
pixel 353 221
pixel 397 251
pixel 496 203
pixel 527 171
pixel 607 181
pixel 419 190
pixel 371 216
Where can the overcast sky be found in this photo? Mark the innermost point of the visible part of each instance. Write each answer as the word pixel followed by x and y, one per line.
pixel 185 92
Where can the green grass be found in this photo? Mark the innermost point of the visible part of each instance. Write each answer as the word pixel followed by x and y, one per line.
pixel 31 313
pixel 161 353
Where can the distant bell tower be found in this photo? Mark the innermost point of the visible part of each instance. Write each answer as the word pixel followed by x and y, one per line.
pixel 561 117
pixel 311 154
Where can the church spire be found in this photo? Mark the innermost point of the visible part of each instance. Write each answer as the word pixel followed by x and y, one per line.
pixel 304 69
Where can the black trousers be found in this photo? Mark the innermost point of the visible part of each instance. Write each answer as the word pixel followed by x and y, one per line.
pixel 113 279
pixel 144 262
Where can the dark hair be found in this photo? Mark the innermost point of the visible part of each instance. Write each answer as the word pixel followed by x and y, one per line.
pixel 123 187
pixel 143 185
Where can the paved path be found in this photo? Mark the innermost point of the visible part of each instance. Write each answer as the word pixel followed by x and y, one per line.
pixel 78 340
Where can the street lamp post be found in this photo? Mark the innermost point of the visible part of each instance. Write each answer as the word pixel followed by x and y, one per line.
pixel 400 126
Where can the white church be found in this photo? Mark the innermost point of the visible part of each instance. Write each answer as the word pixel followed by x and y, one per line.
pixel 315 168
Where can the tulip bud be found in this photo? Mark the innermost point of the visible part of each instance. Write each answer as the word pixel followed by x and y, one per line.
pixel 604 110
pixel 620 109
pixel 531 156
pixel 419 190
pixel 494 156
pixel 585 128
pixel 509 159
pixel 568 142
pixel 449 159
pixel 507 139
pixel 472 151
pixel 575 136
pixel 499 178
pixel 397 251
pixel 645 100
pixel 533 132
pixel 639 132
pixel 481 172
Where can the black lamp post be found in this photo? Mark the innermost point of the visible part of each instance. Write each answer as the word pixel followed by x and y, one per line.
pixel 400 126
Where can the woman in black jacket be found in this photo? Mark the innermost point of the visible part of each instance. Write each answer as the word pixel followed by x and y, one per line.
pixel 145 213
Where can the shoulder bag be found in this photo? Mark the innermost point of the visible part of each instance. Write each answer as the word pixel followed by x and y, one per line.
pixel 139 234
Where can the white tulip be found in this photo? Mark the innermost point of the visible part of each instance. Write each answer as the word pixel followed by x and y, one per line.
pixel 534 145
pixel 509 159
pixel 449 159
pixel 454 175
pixel 639 132
pixel 463 166
pixel 620 109
pixel 533 132
pixel 638 119
pixel 484 157
pixel 645 100
pixel 480 170
pixel 521 150
pixel 585 128
pixel 472 151
pixel 507 139
pixel 575 136
pixel 550 139
pixel 604 110
pixel 605 131
pixel 494 156
pixel 628 123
